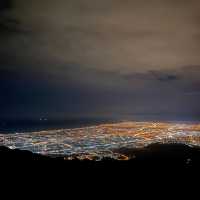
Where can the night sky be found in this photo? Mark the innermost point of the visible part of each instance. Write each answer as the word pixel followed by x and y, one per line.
pixel 99 58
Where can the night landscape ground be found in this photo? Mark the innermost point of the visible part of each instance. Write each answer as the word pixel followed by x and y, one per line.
pixel 140 141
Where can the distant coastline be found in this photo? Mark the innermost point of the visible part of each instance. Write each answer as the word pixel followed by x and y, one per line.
pixel 30 125
pixel 14 126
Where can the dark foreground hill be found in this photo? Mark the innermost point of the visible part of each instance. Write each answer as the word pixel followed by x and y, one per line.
pixel 161 161
pixel 153 155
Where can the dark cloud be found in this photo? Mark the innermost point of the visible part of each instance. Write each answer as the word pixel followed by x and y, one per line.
pixel 163 77
pixel 152 75
pixel 8 23
pixel 6 4
pixel 8 26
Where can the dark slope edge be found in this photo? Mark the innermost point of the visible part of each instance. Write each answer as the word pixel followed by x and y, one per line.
pixel 156 163
pixel 153 155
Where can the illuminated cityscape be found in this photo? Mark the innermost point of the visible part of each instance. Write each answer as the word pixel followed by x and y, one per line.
pixel 97 142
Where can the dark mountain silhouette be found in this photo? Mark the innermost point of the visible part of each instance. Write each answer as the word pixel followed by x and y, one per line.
pixel 153 155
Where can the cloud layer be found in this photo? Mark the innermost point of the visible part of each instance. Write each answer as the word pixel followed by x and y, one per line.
pixel 99 57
